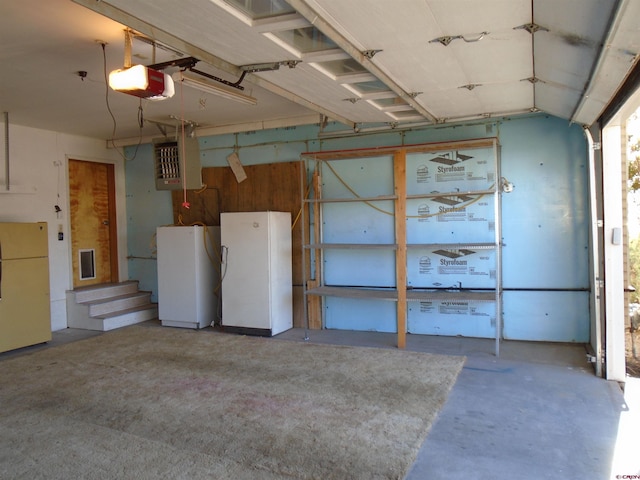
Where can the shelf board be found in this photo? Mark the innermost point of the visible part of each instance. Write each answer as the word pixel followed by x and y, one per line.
pixel 413 295
pixel 449 246
pixel 353 246
pixel 350 154
pixel 394 246
pixel 352 199
pixel 451 194
pixel 450 295
pixel 355 292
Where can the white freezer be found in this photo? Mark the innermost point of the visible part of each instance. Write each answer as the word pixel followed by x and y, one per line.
pixel 257 285
pixel 188 276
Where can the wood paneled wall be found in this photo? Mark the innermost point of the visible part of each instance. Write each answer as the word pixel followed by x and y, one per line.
pixel 274 187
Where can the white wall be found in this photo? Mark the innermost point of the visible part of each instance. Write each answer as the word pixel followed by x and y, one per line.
pixel 545 223
pixel 38 180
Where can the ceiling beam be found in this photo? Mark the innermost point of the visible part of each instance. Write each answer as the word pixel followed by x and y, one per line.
pixel 145 28
pixel 607 66
pixel 304 8
pixel 310 119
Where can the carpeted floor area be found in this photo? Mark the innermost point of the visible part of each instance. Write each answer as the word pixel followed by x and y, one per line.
pixel 169 403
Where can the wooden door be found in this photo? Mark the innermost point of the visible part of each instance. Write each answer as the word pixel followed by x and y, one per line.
pixel 93 226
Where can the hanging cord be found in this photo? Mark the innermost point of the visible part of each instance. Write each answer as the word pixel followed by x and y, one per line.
pixel 185 203
pixel 113 118
pixel 56 207
pixel 453 209
pixel 204 187
pixel 216 260
pixel 306 195
pixel 354 192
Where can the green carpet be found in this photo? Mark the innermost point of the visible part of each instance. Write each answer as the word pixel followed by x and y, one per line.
pixel 163 403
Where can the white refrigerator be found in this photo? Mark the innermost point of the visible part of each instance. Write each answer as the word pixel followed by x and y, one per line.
pixel 257 286
pixel 188 276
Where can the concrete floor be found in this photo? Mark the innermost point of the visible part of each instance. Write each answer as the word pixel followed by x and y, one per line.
pixel 535 412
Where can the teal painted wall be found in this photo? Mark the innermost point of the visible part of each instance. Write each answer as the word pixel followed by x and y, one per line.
pixel 545 218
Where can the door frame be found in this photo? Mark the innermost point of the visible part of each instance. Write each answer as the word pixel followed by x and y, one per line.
pixel 113 225
pixel 613 225
pixel 112 216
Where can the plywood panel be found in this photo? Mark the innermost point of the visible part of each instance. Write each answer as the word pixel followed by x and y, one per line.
pixel 274 187
pixel 204 206
pixel 91 199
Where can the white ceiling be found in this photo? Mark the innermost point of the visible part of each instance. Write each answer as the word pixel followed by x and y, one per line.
pixel 486 64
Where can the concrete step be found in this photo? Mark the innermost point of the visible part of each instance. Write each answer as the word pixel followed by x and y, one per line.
pixel 105 290
pixel 109 306
pixel 118 303
pixel 130 316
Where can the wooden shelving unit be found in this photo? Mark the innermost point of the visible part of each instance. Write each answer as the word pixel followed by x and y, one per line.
pixel 403 293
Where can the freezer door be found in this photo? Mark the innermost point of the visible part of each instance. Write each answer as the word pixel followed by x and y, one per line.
pixel 257 285
pixel 188 275
pixel 246 281
pixel 23 240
